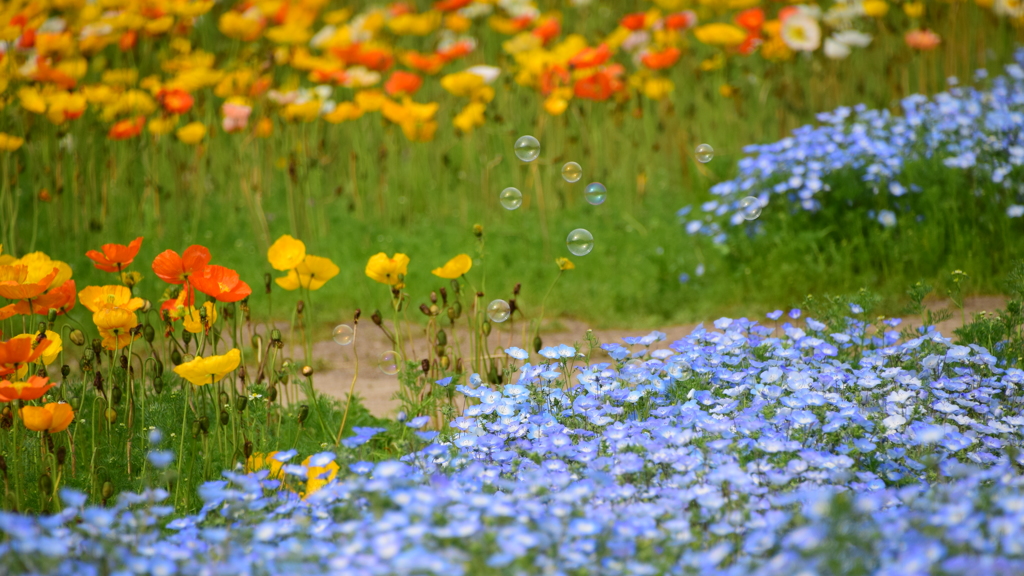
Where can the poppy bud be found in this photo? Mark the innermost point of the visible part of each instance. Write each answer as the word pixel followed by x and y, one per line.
pixel 124 362
pixel 62 455
pixel 49 443
pixel 442 338
pixel 425 309
pixel 111 415
pixel 158 367
pixel 445 362
pixel 45 484
pixel 444 296
pixel 115 395
pixel 256 341
pixel 240 403
pixel 267 282
pixel 186 336
pixel 425 365
pixel 451 314
pixel 492 374
pixel 303 413
pixel 434 310
pixel 76 337
pixel 456 287
pixel 41 372
pixel 175 357
pixel 97 346
pixel 65 370
pixel 97 382
pixel 307 371
pixel 300 306
pixel 515 291
pixel 537 344
pixel 458 309
pixel 272 394
pixel 158 384
pixel 478 230
pixel 486 328
pixel 51 316
pixel 512 306
pixel 146 306
pixel 149 333
pixel 479 294
pixel 358 313
pixel 40 332
pixel 275 335
pixel 223 397
pixel 108 490
pixel 85 365
pixel 377 318
pixel 433 297
pixel 195 428
pixel 88 354
pixel 202 313
pixel 247 449
pixel 224 418
pixel 204 424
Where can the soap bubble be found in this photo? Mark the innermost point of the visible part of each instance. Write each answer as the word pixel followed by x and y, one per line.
pixel 595 193
pixel 750 207
pixel 344 334
pixel 527 148
pixel 389 362
pixel 498 310
pixel 705 153
pixel 580 242
pixel 679 370
pixel 571 172
pixel 510 198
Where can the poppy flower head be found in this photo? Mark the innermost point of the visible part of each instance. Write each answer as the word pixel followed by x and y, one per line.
pixel 115 257
pixel 175 269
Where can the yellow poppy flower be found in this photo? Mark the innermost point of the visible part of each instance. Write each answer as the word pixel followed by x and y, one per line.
pixel 470 117
pixel 875 8
pixel 10 143
pixel 194 323
pixel 415 24
pixel 115 326
pixel 565 264
pixel 161 126
pixel 658 88
pixel 312 273
pixel 40 266
pixel 286 253
pixel 53 417
pixel 201 371
pixel 191 133
pixel 50 352
pixel 32 100
pixel 463 84
pixel 96 298
pixel 344 111
pixel 259 461
pixel 454 268
pixel 719 34
pixel 390 271
pixel 318 476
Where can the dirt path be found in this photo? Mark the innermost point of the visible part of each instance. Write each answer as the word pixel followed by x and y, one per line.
pixel 336 363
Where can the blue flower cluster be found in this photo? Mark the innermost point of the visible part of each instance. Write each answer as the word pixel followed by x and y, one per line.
pixel 964 128
pixel 742 449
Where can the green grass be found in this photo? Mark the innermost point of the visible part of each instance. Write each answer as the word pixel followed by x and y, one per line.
pixel 359 188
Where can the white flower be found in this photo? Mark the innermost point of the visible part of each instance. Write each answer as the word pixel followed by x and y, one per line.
pixel 1015 211
pixel 801 32
pixel 853 38
pixel 835 49
pixel 487 73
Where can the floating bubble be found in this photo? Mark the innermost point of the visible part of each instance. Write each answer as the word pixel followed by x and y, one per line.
pixel 750 207
pixel 679 370
pixel 344 334
pixel 595 193
pixel 580 242
pixel 510 198
pixel 527 148
pixel 498 310
pixel 571 172
pixel 705 153
pixel 389 362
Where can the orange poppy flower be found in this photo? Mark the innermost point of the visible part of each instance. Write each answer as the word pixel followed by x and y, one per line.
pixel 14 287
pixel 325 76
pixel 19 351
pixel 48 75
pixel 680 20
pixel 660 60
pixel 31 390
pixel 634 21
pixel 54 417
pixel 374 59
pixel 598 86
pixel 402 83
pixel 126 129
pixel 61 299
pixel 426 63
pixel 399 8
pixel 128 40
pixel 220 283
pixel 751 19
pixel 554 77
pixel 115 325
pixel 456 50
pixel 590 57
pixel 115 257
pixel 451 5
pixel 8 311
pixel 175 269
pixel 922 39
pixel 175 101
pixel 547 29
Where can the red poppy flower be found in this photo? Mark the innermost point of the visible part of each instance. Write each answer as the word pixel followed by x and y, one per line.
pixel 634 21
pixel 175 101
pixel 590 57
pixel 115 257
pixel 426 63
pixel 456 50
pixel 126 129
pixel 325 76
pixel 554 77
pixel 681 20
pixel 61 299
pixel 659 60
pixel 31 390
pixel 399 8
pixel 402 82
pixel 599 85
pixel 18 351
pixel 175 269
pixel 378 60
pixel 750 45
pixel 220 283
pixel 451 5
pixel 547 29
pixel 751 19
